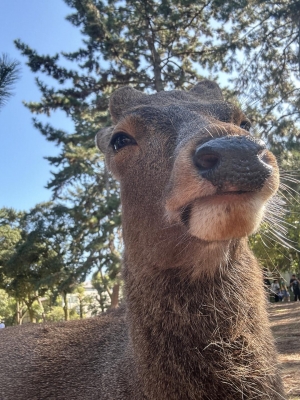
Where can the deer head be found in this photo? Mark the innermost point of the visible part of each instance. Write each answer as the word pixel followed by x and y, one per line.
pixel 187 160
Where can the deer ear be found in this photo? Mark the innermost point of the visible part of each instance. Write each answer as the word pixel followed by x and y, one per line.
pixel 207 90
pixel 102 138
pixel 123 99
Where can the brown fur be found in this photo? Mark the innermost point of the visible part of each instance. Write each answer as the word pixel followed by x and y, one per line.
pixel 194 325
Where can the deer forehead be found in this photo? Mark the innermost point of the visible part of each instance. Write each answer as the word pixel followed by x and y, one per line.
pixel 177 113
pixel 199 99
pixel 179 122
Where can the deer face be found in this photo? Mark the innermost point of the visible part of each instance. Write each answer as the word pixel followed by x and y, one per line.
pixel 188 157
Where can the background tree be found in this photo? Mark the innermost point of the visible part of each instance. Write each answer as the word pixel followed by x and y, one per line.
pixel 39 257
pixel 7 308
pixel 9 73
pixel 10 236
pixel 108 288
pixel 24 270
pixel 263 38
pixel 261 48
pixel 65 265
pixel 278 242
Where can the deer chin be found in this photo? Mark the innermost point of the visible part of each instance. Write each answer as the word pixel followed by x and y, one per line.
pixel 225 216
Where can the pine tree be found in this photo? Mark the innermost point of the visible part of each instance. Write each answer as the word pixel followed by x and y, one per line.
pixel 9 73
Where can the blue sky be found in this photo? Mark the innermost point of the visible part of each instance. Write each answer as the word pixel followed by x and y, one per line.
pixel 23 171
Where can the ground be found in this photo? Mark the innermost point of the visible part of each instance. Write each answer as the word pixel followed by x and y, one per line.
pixel 285 323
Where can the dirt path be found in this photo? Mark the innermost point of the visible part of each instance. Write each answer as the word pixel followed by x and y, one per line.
pixel 285 323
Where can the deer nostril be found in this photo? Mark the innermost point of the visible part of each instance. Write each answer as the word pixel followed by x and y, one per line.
pixel 205 160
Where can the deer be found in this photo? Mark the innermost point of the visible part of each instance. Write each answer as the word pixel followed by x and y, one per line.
pixel 194 185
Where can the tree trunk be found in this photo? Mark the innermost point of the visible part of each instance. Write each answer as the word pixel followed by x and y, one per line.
pixel 19 320
pixel 115 296
pixel 81 308
pixel 43 312
pixel 20 313
pixel 31 314
pixel 159 86
pixel 299 47
pixel 158 82
pixel 66 308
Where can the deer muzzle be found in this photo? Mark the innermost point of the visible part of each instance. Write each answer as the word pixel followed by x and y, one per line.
pixel 238 162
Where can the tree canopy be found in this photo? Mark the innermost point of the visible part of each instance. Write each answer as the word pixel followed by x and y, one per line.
pixel 264 37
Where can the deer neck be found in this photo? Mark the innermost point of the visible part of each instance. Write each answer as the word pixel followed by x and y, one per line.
pixel 182 327
pixel 186 306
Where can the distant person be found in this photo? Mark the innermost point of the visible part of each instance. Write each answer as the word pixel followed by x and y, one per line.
pixel 295 286
pixel 275 288
pixel 2 325
pixel 285 293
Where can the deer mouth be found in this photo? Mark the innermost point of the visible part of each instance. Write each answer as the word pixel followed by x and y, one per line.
pixel 218 195
pixel 185 212
pixel 233 196
pixel 224 215
pixel 232 192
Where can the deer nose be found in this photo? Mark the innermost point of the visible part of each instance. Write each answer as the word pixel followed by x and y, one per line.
pixel 233 160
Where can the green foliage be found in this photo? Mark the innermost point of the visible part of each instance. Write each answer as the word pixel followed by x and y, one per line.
pixel 41 255
pixel 31 257
pixel 7 308
pixel 84 301
pixel 9 73
pixel 34 256
pixel 264 56
pixel 277 245
pixel 106 286
pixel 10 234
pixel 55 314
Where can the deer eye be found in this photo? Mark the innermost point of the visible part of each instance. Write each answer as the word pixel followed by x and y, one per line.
pixel 246 125
pixel 120 140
